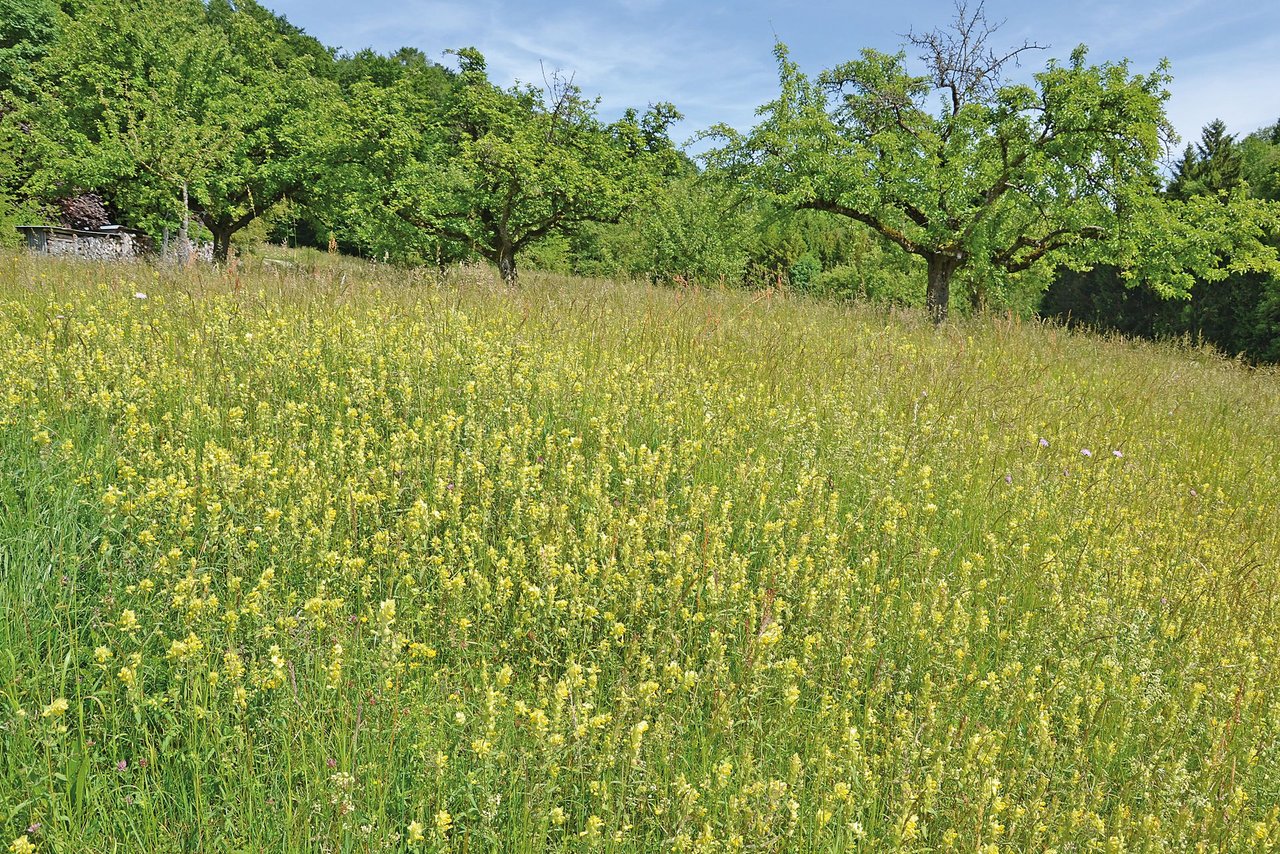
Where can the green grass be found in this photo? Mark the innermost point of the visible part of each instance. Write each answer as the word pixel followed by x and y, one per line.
pixel 586 566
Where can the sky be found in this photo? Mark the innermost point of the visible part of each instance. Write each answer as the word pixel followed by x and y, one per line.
pixel 714 60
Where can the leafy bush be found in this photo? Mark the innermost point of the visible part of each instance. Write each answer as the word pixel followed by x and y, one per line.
pixel 803 271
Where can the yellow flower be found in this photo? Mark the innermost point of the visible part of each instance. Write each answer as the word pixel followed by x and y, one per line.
pixel 592 830
pixel 444 821
pixel 415 831
pixel 128 620
pixel 334 669
pixel 56 709
pixel 22 845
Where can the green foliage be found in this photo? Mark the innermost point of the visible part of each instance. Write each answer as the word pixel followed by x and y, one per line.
pixel 1260 162
pixel 9 238
pixel 274 41
pixel 1001 180
pixel 27 28
pixel 12 210
pixel 874 272
pixel 684 230
pixel 141 99
pixel 488 170
pixel 1239 315
pixel 1221 195
pixel 802 273
pixel 7 219
pixel 384 71
pixel 1213 166
pixel 552 254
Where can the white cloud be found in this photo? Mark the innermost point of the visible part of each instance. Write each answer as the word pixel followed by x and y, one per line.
pixel 713 60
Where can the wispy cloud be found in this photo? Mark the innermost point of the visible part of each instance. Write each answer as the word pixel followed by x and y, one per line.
pixel 712 59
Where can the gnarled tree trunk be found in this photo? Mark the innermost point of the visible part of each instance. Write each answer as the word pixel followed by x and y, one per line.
pixel 221 244
pixel 505 258
pixel 942 266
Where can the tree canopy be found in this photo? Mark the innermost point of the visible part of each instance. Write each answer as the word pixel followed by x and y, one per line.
pixel 27 27
pixel 165 108
pixel 998 178
pixel 489 169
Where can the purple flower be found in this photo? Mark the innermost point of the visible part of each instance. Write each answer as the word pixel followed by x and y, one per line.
pixel 1085 452
pixel 1118 454
pixel 1044 443
pixel 122 765
pixel 1008 478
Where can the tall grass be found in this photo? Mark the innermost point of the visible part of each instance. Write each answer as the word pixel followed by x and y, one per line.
pixel 329 558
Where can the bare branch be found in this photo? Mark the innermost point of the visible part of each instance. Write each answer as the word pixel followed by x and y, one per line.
pixel 960 60
pixel 560 93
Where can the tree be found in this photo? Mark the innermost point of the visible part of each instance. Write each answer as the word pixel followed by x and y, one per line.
pixel 167 108
pixel 1234 301
pixel 1213 166
pixel 684 231
pixel 8 209
pixel 369 66
pixel 27 27
pixel 1260 162
pixel 486 169
pixel 1002 177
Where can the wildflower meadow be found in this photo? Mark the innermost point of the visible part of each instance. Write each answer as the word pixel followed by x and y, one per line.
pixel 342 558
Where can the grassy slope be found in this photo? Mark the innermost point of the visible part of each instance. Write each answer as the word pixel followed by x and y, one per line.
pixel 592 567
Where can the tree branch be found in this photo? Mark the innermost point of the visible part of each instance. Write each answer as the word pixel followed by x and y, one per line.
pixel 433 228
pixel 866 219
pixel 1042 246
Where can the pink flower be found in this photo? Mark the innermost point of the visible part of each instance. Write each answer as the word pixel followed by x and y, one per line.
pixel 1118 454
pixel 122 765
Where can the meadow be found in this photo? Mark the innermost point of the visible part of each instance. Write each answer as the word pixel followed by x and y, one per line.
pixel 341 558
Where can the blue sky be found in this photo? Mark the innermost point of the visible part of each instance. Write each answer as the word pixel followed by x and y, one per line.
pixel 713 59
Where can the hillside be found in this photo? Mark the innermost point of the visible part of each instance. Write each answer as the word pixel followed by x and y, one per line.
pixel 345 559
